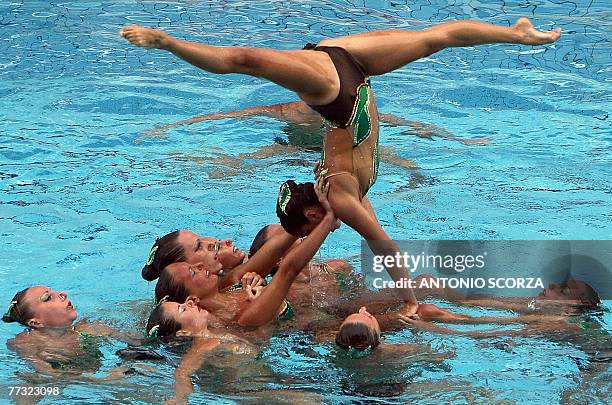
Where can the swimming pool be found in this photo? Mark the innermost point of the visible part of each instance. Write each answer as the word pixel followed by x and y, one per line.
pixel 85 192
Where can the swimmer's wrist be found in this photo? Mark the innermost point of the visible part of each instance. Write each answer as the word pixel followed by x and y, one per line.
pixel 329 220
pixel 168 43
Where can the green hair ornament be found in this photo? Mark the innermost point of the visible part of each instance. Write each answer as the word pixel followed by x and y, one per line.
pixel 10 309
pixel 284 196
pixel 152 333
pixel 162 300
pixel 152 255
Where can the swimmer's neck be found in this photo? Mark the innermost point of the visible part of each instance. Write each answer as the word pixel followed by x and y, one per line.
pixel 216 302
pixel 54 331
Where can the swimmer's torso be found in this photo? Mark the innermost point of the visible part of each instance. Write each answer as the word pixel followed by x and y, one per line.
pixel 354 150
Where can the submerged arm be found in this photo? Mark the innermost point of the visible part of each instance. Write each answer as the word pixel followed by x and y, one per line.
pixel 424 130
pixel 190 363
pixel 97 328
pixel 277 111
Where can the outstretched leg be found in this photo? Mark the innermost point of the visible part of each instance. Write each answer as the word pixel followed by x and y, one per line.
pixel 310 74
pixel 384 51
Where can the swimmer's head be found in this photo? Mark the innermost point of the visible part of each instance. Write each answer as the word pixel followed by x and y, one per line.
pixel 166 250
pixel 180 280
pixel 187 246
pixel 198 248
pixel 39 306
pixel 174 319
pixel 298 208
pixel 359 331
pixel 573 293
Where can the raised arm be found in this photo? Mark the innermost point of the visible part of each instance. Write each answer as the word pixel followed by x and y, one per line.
pixel 263 260
pixel 266 306
pixel 361 218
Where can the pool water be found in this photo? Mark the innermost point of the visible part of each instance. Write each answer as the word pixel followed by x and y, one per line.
pixel 86 190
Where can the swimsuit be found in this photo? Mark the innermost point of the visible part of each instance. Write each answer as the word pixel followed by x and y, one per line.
pixel 287 313
pixel 353 108
pixel 341 278
pixel 234 287
pixel 88 357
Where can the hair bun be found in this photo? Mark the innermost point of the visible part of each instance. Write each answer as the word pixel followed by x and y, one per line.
pixel 149 273
pixel 8 319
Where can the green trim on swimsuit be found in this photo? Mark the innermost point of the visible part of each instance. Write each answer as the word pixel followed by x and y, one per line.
pixel 287 314
pixel 361 117
pixel 578 320
pixel 234 287
pixel 375 164
pixel 341 281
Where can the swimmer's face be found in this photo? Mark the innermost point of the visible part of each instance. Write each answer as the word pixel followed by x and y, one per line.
pixel 198 279
pixel 363 316
pixel 50 308
pixel 572 292
pixel 203 248
pixel 189 315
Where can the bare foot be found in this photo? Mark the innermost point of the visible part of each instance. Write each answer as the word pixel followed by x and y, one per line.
pixel 145 37
pixel 528 35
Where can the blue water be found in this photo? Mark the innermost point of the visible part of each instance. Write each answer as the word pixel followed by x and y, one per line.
pixel 84 193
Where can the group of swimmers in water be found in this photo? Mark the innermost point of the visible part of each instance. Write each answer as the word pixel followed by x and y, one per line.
pixel 212 291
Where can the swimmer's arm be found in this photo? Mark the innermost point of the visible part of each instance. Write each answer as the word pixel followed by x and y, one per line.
pixel 532 319
pixel 494 303
pixel 399 349
pixel 96 328
pixel 190 363
pixel 424 130
pixel 272 111
pixel 263 261
pixel 265 308
pixel 430 327
pixel 352 212
pixel 25 349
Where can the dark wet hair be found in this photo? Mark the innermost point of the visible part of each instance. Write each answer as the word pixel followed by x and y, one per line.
pixel 17 310
pixel 590 299
pixel 357 335
pixel 164 252
pixel 260 239
pixel 167 286
pixel 292 199
pixel 161 325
